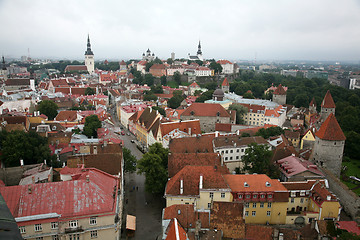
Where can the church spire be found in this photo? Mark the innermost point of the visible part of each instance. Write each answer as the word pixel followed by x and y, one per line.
pixel 3 63
pixel 88 50
pixel 199 49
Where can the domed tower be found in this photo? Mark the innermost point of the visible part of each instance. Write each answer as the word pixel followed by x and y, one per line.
pixel 89 57
pixel 279 95
pixel 327 106
pixel 218 95
pixel 329 145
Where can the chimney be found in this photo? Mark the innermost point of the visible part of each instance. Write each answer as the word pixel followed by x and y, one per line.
pixel 87 178
pixel 189 131
pixel 216 134
pixel 21 162
pixel 45 161
pixel 328 197
pixel 33 179
pixel 181 186
pixel 201 182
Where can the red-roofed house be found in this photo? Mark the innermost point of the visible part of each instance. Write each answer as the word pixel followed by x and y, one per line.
pixel 197 185
pixel 175 231
pixel 227 66
pixel 68 116
pixel 329 145
pixel 203 71
pixel 327 106
pixel 171 130
pixel 265 200
pixel 158 70
pixel 208 114
pixel 82 208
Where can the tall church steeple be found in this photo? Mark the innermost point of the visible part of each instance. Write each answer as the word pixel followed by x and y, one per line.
pixel 199 52
pixel 88 50
pixel 89 57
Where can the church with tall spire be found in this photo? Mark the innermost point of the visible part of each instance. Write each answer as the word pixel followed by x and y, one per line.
pixel 89 57
pixel 198 54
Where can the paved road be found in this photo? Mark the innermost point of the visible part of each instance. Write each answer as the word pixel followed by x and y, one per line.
pixel 146 207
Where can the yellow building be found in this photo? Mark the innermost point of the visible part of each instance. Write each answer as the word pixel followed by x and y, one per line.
pixel 310 200
pixel 144 124
pixel 199 186
pixel 265 200
pixel 308 140
pixel 255 115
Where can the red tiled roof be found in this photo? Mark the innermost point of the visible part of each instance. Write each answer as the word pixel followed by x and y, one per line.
pixel 330 130
pixel 256 183
pixel 17 82
pixel 66 115
pixel 292 165
pixel 273 112
pixel 304 185
pixel 158 66
pixel 291 134
pixel 194 84
pixel 328 101
pixel 187 217
pixel 193 125
pixel 68 198
pixel 223 62
pixel 223 127
pixel 225 82
pixel 280 90
pixel 258 232
pixel 201 144
pixel 178 161
pixel 212 179
pixel 313 102
pixel 350 226
pixel 205 109
pixel 175 231
pixel 70 68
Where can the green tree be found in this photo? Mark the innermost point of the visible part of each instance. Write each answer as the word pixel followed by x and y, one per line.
pixel 176 100
pixel 245 134
pixel 30 147
pixel 129 161
pixel 248 95
pixel 49 108
pixel 154 165
pixel 216 67
pixel 149 79
pixel 92 123
pixel 148 66
pixel 150 96
pixel 163 80
pixel 170 61
pixel 269 132
pixel 199 62
pixel 240 111
pixel 157 89
pixel 89 91
pixel 205 96
pixel 257 160
pixel 161 110
pixel 177 77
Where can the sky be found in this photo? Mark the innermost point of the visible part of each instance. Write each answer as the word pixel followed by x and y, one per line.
pixel 228 29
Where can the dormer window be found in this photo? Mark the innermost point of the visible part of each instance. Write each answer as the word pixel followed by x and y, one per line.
pixel 268 184
pixel 218 114
pixel 192 112
pixel 246 184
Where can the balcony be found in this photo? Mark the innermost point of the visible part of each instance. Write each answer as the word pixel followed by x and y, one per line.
pixel 74 229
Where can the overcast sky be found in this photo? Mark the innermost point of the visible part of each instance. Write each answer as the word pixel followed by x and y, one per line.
pixel 238 29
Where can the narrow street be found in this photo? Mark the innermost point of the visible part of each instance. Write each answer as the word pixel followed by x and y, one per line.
pixel 144 206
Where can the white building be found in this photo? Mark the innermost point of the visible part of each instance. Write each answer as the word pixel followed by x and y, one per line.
pixel 89 58
pixel 227 66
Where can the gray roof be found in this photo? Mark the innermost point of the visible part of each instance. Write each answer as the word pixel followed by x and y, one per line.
pixel 239 99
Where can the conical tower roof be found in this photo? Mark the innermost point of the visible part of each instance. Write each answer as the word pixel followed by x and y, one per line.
pixel 225 82
pixel 330 130
pixel 280 90
pixel 328 101
pixel 313 102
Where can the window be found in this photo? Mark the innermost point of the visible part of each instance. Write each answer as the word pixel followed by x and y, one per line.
pixel 222 195
pixel 255 196
pixel 38 227
pixel 74 237
pixel 237 150
pixel 262 205
pixel 247 195
pixel 246 213
pixel 226 158
pixel 240 196
pixel 93 234
pixel 231 151
pixel 292 194
pixel 55 237
pixel 253 213
pixel 269 204
pixel 302 193
pixel 93 221
pixel 237 157
pixel 211 195
pixel 209 205
pixel 247 205
pixel 39 238
pixel 301 200
pixel 54 225
pixel 268 213
pixel 292 200
pixel 254 205
pixel 270 196
pixel 226 151
pixel 22 229
pixel 262 195
pixel 230 158
pixel 73 223
pixel 242 150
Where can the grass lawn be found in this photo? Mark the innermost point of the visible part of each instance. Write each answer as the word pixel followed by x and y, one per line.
pixel 353 169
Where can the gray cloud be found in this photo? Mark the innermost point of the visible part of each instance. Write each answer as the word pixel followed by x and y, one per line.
pixel 279 29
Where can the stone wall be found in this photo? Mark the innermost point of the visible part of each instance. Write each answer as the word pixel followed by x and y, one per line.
pixel 12 176
pixel 348 199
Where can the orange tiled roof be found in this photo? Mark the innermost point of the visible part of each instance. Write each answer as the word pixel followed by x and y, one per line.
pixel 184 126
pixel 330 130
pixel 328 101
pixel 175 231
pixel 212 179
pixel 258 232
pixel 201 144
pixel 222 62
pixel 66 115
pixel 313 102
pixel 256 183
